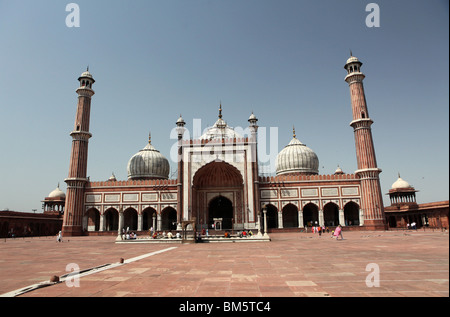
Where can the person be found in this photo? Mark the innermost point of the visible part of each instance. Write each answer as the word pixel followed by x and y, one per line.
pixel 59 237
pixel 170 235
pixel 199 238
pixel 319 229
pixel 338 232
pixel 178 235
pixel 250 233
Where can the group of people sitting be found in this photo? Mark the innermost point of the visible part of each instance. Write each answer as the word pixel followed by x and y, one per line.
pixel 240 234
pixel 164 235
pixel 128 235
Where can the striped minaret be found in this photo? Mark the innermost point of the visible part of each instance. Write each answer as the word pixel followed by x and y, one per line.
pixel 368 172
pixel 76 181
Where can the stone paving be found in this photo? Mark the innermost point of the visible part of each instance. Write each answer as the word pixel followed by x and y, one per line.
pixel 409 263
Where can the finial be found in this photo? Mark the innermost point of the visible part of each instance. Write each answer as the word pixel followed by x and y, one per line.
pixel 220 110
pixel 58 184
pixel 149 138
pixel 351 54
pixel 293 131
pixel 87 68
pixel 398 174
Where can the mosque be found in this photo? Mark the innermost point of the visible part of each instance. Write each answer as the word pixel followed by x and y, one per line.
pixel 218 185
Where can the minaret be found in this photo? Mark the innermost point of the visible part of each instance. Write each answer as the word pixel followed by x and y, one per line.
pixel 368 172
pixel 76 181
pixel 180 131
pixel 253 142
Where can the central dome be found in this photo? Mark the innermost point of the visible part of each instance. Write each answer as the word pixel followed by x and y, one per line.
pixel 148 163
pixel 220 130
pixel 296 157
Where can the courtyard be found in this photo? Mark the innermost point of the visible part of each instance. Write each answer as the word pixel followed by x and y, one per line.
pixel 364 264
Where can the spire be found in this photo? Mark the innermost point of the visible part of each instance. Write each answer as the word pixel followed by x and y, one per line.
pixel 87 68
pixel 351 54
pixel 220 110
pixel 293 131
pixel 149 138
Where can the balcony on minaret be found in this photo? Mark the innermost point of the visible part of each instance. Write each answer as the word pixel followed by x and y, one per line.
pixel 86 79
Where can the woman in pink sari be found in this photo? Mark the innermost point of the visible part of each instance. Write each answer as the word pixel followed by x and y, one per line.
pixel 338 232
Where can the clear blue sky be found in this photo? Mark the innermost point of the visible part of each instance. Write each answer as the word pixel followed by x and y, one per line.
pixel 283 60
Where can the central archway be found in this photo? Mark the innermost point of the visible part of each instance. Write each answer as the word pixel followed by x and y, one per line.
pixel 221 207
pixel 217 192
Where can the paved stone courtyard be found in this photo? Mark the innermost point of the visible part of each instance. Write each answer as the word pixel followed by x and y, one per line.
pixel 410 264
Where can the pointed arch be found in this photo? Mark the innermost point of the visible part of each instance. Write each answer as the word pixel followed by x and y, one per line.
pixel 331 214
pixel 351 214
pixel 272 216
pixel 310 214
pixel 217 174
pixel 290 216
pixel 93 219
pixel 130 218
pixel 147 218
pixel 221 207
pixel 111 219
pixel 169 219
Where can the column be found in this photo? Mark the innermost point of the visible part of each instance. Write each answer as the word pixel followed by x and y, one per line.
pixel 102 223
pixel 300 219
pixel 120 221
pixel 320 217
pixel 265 222
pixel 139 224
pixel 280 219
pixel 159 222
pixel 341 217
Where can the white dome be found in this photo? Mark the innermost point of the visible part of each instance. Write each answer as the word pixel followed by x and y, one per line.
pixel 220 130
pixel 148 163
pixel 352 59
pixel 400 184
pixel 252 117
pixel 296 157
pixel 57 193
pixel 339 170
pixel 86 74
pixel 180 121
pixel 112 178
